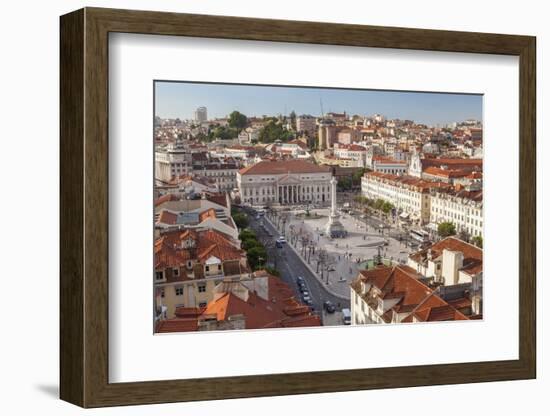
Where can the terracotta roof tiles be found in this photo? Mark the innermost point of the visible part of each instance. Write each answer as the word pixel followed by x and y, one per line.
pixel 283 167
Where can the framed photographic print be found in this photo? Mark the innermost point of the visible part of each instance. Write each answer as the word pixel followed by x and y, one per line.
pixel 255 207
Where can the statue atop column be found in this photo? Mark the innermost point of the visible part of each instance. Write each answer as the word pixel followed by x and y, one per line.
pixel 334 228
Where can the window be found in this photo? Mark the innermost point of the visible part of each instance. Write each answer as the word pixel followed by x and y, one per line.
pixel 179 291
pixel 162 293
pixel 207 268
pixel 159 275
pixel 202 288
pixel 202 305
pixel 176 271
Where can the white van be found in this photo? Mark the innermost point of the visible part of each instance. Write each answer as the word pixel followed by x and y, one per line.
pixel 346 315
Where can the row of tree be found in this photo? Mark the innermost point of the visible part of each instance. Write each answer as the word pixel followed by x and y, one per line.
pixel 377 204
pixel 444 229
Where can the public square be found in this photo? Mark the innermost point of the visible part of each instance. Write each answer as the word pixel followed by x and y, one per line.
pixel 341 258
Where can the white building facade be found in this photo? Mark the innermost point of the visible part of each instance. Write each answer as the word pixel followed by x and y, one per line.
pixel 409 195
pixel 463 208
pixel 224 175
pixel 171 161
pixel 354 152
pixel 289 182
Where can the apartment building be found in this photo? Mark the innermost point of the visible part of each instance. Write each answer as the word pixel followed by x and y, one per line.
pixel 189 264
pixel 410 196
pixel 462 207
pixel 395 294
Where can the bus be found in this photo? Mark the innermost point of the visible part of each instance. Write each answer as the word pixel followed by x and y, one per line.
pixel 420 236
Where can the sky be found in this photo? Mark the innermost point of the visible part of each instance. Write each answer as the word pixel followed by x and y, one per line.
pixel 180 99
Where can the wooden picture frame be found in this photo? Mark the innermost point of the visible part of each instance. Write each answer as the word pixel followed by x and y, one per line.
pixel 84 207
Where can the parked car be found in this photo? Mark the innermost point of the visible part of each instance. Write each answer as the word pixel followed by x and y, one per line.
pixel 282 239
pixel 346 316
pixel 300 279
pixel 306 299
pixel 329 306
pixel 302 285
pixel 305 294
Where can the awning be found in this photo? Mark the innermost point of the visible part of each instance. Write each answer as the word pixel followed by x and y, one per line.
pixel 404 215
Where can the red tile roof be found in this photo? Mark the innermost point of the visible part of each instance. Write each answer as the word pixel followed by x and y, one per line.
pixel 176 325
pixel 282 167
pixel 454 163
pixel 384 159
pixel 281 310
pixel 167 217
pixel 262 313
pixel 446 173
pixel 402 282
pixel 169 251
pixel 220 199
pixel 473 256
pixel 209 213
pixel 165 198
pixel 407 181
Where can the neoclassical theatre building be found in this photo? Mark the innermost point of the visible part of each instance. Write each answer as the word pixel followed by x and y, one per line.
pixel 288 182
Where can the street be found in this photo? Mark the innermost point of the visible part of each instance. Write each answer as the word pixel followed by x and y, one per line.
pixel 291 266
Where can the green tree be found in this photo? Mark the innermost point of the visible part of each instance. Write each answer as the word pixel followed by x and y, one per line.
pixel 356 177
pixel 237 120
pixel 249 243
pixel 293 119
pixel 378 204
pixel 256 256
pixel 274 130
pixel 223 133
pixel 201 137
pixel 241 220
pixel 446 229
pixel 247 233
pixel 344 184
pixel 478 241
pixel 387 207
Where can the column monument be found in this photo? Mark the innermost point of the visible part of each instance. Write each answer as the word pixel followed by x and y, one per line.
pixel 334 228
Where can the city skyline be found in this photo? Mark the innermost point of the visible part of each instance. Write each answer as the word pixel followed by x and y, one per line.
pixel 181 99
